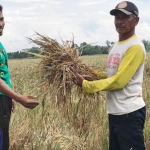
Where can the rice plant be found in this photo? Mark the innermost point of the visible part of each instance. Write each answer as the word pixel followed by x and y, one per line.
pixel 82 126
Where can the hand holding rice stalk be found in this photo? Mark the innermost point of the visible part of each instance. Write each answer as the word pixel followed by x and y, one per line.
pixel 58 68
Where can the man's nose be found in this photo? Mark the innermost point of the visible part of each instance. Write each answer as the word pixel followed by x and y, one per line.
pixel 119 21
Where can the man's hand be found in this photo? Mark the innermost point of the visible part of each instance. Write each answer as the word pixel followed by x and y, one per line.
pixel 26 102
pixel 79 80
pixel 13 106
pixel 22 99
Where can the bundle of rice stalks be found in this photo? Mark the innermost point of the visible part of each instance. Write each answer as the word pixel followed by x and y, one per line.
pixel 57 71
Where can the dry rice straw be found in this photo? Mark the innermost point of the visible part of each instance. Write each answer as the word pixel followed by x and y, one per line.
pixel 57 70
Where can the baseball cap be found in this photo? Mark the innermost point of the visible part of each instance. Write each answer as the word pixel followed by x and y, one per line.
pixel 1 7
pixel 126 7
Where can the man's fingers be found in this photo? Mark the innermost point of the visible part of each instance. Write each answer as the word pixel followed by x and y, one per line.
pixel 13 106
pixel 79 76
pixel 31 97
pixel 33 103
pixel 30 107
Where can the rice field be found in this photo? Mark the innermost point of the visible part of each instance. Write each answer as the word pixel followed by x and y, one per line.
pixel 84 126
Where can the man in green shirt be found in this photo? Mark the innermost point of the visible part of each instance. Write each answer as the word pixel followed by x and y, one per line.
pixel 7 94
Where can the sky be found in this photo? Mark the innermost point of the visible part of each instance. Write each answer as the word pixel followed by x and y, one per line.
pixel 88 20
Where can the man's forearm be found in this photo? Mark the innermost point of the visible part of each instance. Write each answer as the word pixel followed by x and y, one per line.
pixel 6 90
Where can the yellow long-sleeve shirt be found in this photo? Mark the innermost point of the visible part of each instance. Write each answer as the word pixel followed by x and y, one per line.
pixel 128 66
pixel 124 72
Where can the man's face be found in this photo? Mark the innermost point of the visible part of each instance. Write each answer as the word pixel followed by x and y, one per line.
pixel 2 23
pixel 125 24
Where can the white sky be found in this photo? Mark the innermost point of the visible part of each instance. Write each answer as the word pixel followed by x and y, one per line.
pixel 88 20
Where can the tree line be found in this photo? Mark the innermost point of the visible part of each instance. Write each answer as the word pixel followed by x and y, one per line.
pixel 84 49
pixel 24 53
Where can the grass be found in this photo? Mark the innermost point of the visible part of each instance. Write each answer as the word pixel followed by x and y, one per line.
pixel 47 128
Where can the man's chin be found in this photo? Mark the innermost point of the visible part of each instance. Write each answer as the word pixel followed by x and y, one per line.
pixel 120 32
pixel 1 33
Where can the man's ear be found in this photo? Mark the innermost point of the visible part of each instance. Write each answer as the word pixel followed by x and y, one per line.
pixel 137 20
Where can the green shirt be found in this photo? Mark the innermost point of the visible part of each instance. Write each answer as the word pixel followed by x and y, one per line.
pixel 4 72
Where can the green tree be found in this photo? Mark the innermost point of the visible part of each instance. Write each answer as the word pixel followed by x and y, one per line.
pixel 146 44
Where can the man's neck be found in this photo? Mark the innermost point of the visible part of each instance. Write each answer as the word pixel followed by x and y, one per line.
pixel 125 36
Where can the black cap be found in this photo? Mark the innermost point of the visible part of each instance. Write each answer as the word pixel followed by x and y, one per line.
pixel 126 7
pixel 1 8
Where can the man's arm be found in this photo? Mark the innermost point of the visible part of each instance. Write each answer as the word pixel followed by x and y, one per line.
pixel 131 61
pixel 22 99
pixel 100 75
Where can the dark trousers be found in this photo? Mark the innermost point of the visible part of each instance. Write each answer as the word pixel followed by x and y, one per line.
pixel 126 131
pixel 5 112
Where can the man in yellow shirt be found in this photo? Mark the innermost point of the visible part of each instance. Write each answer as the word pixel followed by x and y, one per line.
pixel 123 83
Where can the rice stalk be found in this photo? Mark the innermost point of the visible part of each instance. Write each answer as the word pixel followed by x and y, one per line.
pixel 56 73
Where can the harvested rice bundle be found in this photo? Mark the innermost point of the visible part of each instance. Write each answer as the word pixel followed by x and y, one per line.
pixel 60 63
pixel 57 69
